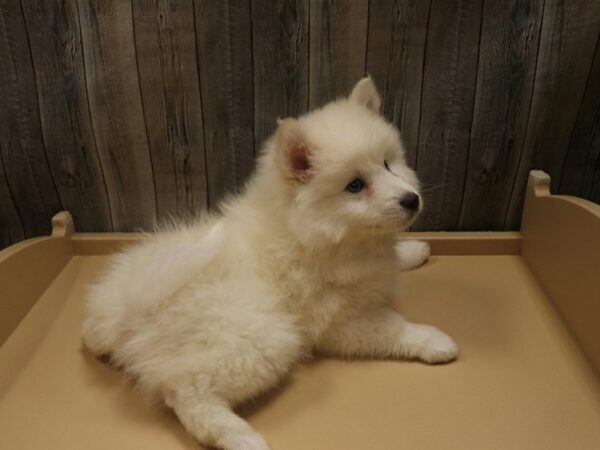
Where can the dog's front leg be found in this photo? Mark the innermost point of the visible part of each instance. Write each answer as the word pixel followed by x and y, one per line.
pixel 384 333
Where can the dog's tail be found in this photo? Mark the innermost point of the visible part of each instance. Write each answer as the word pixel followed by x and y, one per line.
pixel 211 421
pixel 142 277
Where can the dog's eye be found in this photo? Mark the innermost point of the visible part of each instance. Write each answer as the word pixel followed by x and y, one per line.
pixel 355 186
pixel 387 167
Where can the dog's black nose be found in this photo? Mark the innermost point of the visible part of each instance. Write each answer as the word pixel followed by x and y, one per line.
pixel 410 201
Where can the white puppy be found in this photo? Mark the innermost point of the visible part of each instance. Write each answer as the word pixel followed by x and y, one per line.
pixel 205 316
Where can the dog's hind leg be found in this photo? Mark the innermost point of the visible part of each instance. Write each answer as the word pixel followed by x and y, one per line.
pixel 212 422
pixel 141 278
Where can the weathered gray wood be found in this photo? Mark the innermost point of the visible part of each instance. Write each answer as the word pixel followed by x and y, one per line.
pixel 280 60
pixel 224 44
pixel 396 48
pixel 21 145
pixel 119 110
pixel 166 56
pixel 581 170
pixel 116 111
pixel 11 227
pixel 507 61
pixel 568 39
pixel 54 36
pixel 449 77
pixel 338 44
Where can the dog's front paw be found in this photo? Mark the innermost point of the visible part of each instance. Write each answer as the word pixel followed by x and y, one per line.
pixel 412 253
pixel 439 348
pixel 429 344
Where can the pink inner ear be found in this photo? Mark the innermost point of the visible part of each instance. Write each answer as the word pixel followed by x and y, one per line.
pixel 299 158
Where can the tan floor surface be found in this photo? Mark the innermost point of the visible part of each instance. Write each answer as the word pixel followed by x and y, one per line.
pixel 519 383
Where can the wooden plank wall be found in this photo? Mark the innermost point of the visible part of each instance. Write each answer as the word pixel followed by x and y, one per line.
pixel 126 111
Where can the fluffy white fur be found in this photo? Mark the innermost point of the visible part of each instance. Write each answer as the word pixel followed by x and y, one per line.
pixel 207 315
pixel 412 253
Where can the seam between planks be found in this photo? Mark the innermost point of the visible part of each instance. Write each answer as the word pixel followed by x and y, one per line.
pixel 422 82
pixel 37 97
pixel 137 68
pixel 587 83
pixel 206 172
pixel 87 95
pixel 533 86
pixel 462 197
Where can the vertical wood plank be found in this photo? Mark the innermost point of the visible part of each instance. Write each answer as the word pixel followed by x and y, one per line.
pixel 338 44
pixel 581 170
pixel 395 55
pixel 117 111
pixel 224 44
pixel 22 149
pixel 449 77
pixel 166 55
pixel 568 39
pixel 507 60
pixel 54 35
pixel 11 228
pixel 280 59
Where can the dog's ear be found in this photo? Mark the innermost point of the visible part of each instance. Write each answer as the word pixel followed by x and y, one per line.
pixel 365 93
pixel 293 151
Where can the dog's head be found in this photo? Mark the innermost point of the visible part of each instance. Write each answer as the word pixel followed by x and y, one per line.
pixel 346 169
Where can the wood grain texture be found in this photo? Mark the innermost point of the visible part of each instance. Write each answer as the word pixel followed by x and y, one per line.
pixel 24 157
pixel 127 111
pixel 55 39
pixel 338 45
pixel 507 61
pixel 166 58
pixel 581 170
pixel 449 78
pixel 568 39
pixel 395 56
pixel 280 60
pixel 224 44
pixel 117 111
pixel 11 227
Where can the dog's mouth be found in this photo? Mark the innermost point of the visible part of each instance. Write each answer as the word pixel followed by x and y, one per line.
pixel 395 223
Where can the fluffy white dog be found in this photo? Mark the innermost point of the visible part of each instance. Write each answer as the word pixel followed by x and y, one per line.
pixel 207 315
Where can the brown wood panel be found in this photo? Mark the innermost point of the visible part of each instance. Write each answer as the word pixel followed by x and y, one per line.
pixel 11 227
pixel 449 78
pixel 581 170
pixel 568 39
pixel 506 73
pixel 55 39
pixel 338 45
pixel 122 111
pixel 395 55
pixel 224 44
pixel 280 60
pixel 166 56
pixel 22 150
pixel 117 111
